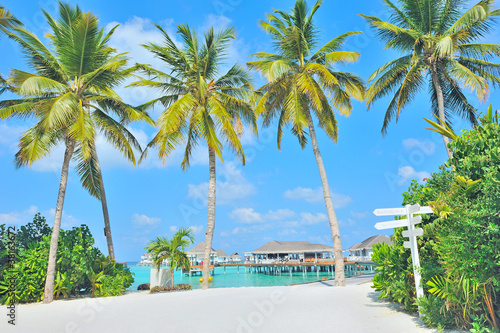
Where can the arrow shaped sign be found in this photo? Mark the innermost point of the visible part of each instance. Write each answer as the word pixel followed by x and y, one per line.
pixel 397 223
pixel 425 210
pixel 417 232
pixel 389 211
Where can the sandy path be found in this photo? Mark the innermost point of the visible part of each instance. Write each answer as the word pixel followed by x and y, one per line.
pixel 317 307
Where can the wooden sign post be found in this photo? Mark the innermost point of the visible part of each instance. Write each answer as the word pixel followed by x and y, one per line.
pixel 411 233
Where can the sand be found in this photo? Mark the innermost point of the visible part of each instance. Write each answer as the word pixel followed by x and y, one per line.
pixel 316 307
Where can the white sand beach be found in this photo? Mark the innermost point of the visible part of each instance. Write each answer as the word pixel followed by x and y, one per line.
pixel 316 307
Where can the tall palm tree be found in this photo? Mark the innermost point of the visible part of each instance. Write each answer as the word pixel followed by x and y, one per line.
pixel 199 105
pixel 441 47
pixel 70 97
pixel 172 250
pixel 301 81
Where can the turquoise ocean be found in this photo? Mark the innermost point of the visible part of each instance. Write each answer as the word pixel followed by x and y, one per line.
pixel 230 279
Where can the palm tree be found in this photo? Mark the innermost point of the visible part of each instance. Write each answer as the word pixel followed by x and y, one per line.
pixel 440 46
pixel 70 96
pixel 301 81
pixel 172 250
pixel 199 105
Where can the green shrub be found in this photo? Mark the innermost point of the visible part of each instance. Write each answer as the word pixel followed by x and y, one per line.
pixel 80 267
pixel 435 313
pixel 460 249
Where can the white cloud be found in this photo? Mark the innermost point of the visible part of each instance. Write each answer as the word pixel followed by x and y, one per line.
pixel 310 219
pixel 129 37
pixel 280 214
pixel 141 220
pixel 407 172
pixel 9 137
pixel 231 185
pixel 173 228
pixel 197 229
pixel 245 215
pixel 67 221
pixel 14 218
pixel 427 147
pixel 316 196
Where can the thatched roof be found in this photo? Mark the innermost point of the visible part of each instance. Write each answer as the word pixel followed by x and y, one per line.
pixel 198 249
pixel 368 243
pixel 291 247
pixel 221 253
pixel 235 255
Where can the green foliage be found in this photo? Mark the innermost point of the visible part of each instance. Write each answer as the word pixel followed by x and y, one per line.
pixel 80 268
pixel 435 314
pixel 441 48
pixel 33 231
pixel 172 250
pixel 460 249
pixel 393 275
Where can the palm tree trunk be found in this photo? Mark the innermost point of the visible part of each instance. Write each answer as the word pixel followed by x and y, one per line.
pixel 440 100
pixel 51 268
pixel 209 235
pixel 172 272
pixel 105 213
pixel 332 217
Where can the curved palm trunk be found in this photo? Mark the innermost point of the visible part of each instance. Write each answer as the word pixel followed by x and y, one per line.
pixel 105 213
pixel 440 100
pixel 172 272
pixel 332 217
pixel 51 268
pixel 209 235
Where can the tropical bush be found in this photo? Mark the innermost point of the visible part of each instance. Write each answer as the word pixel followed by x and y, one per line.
pixel 460 249
pixel 177 287
pixel 81 268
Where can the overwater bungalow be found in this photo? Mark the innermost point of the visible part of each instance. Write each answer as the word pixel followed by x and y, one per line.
pixel 222 257
pixel 290 251
pixel 235 257
pixel 197 254
pixel 363 251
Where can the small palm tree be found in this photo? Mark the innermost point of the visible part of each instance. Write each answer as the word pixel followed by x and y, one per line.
pixel 172 250
pixel 70 96
pixel 199 105
pixel 441 47
pixel 303 83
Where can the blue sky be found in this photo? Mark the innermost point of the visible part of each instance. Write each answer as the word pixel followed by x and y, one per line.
pixel 277 194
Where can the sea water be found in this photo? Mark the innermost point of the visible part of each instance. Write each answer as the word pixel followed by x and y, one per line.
pixel 231 278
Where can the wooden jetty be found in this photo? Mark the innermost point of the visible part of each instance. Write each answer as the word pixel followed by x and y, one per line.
pixel 279 268
pixel 195 269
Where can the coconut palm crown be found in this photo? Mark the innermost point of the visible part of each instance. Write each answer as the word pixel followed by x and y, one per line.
pixel 303 80
pixel 441 47
pixel 172 250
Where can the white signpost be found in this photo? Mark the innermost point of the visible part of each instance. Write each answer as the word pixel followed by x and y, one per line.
pixel 411 233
